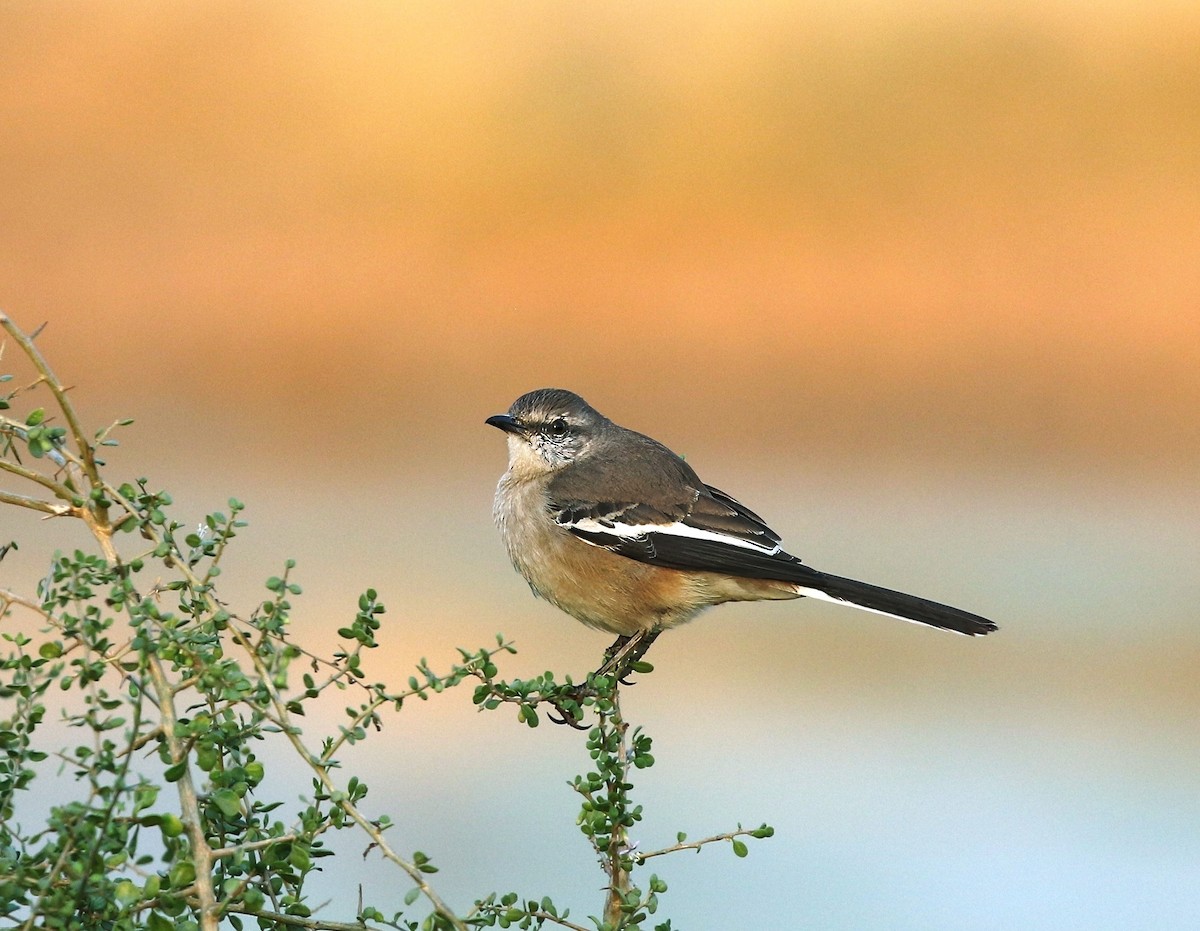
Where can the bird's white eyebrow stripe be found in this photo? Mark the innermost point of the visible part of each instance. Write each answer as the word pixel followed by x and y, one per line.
pixel 678 529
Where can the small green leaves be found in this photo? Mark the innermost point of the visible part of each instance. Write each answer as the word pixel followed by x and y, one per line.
pixel 175 687
pixel 175 772
pixel 157 922
pixel 527 714
pixel 421 862
pixel 279 586
pixel 51 650
pixel 182 874
pixel 228 801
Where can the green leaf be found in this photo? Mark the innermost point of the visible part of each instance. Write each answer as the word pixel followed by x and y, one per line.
pixel 207 758
pixel 52 650
pixel 412 895
pixel 739 848
pixel 144 796
pixel 126 893
pixel 35 417
pixel 254 899
pixel 227 800
pixel 299 858
pixel 157 922
pixel 182 874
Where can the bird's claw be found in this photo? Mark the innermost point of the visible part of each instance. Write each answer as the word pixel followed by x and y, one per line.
pixel 576 695
pixel 567 718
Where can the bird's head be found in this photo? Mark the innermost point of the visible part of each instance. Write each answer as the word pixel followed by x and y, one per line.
pixel 547 429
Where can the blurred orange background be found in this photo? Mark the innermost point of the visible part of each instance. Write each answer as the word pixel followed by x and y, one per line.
pixel 920 283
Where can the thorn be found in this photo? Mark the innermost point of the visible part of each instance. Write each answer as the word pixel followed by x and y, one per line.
pixel 37 331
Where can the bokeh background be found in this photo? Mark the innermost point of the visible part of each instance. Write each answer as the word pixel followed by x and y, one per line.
pixel 920 282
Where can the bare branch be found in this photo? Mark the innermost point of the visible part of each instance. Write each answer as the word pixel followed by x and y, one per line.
pixel 36 504
pixel 9 598
pixel 60 394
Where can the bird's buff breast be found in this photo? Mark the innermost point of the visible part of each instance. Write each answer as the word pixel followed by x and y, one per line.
pixel 599 588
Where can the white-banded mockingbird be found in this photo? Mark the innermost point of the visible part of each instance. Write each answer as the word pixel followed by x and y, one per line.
pixel 618 531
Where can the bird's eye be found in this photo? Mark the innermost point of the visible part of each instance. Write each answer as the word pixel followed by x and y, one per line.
pixel 558 427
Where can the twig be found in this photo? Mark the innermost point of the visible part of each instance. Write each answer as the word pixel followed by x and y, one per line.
pixel 322 774
pixel 253 845
pixel 96 518
pixel 91 504
pixel 110 809
pixel 619 877
pixel 36 504
pixel 312 924
pixel 381 699
pixel 8 598
pixel 60 491
pixel 189 802
pixel 26 342
pixel 640 858
pixel 539 915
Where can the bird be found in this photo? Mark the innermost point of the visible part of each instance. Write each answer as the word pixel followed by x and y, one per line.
pixel 619 532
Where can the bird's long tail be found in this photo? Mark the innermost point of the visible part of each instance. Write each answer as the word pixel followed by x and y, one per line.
pixel 893 604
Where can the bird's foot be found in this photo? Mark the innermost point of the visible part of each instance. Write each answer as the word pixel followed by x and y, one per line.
pixel 568 701
pixel 621 660
pixel 624 656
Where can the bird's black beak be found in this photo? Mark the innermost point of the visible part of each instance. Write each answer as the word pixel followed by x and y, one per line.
pixel 506 423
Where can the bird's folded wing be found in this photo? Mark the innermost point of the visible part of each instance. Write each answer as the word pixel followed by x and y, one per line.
pixel 710 531
pixel 715 533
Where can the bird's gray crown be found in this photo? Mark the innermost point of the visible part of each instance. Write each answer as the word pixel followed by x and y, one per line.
pixel 545 404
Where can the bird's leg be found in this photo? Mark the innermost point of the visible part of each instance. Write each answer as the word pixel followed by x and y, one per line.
pixel 625 652
pixel 618 645
pixel 618 660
